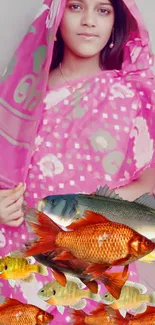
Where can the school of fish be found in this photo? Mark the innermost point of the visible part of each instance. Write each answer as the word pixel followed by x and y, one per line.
pixel 81 237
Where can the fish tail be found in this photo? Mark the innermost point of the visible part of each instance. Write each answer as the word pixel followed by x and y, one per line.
pixel 114 282
pixel 44 228
pixel 78 317
pixel 94 296
pixel 152 298
pixel 42 269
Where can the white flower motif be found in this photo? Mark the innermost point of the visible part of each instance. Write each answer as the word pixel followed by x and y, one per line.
pixel 143 144
pixel 121 91
pixel 38 140
pixel 2 240
pixel 54 97
pixel 50 165
pixel 53 13
pixel 135 53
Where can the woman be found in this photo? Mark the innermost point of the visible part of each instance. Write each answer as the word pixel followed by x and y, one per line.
pixel 95 124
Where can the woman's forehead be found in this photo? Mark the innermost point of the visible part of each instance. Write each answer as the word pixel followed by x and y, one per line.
pixel 95 2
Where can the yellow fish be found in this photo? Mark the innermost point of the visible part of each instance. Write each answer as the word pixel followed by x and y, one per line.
pixel 72 295
pixel 150 258
pixel 133 297
pixel 15 268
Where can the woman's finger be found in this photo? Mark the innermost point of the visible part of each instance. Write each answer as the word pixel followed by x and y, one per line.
pixel 16 223
pixel 6 193
pixel 10 200
pixel 15 207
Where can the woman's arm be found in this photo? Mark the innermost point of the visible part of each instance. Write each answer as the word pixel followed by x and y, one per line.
pixel 145 184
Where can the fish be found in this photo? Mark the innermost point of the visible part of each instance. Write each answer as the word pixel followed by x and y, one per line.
pixel 93 239
pixel 146 318
pixel 14 312
pixel 133 297
pixel 99 316
pixel 149 259
pixel 75 268
pixel 138 215
pixel 72 295
pixel 17 268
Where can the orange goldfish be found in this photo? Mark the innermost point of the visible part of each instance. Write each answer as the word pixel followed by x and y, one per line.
pixel 13 312
pixel 93 239
pixel 103 315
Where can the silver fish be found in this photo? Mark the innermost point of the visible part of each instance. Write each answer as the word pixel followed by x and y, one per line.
pixel 139 214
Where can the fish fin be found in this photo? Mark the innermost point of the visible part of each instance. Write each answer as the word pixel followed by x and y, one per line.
pixel 140 287
pixel 114 282
pixel 140 309
pixel 106 192
pixel 89 218
pixel 95 297
pixel 59 277
pixel 113 314
pixel 78 317
pixel 123 312
pixel 152 298
pixel 61 309
pixel 92 286
pixel 149 310
pixel 81 304
pixel 9 302
pixel 42 269
pixel 100 307
pixel 29 278
pixel 44 228
pixel 64 256
pixel 76 280
pixel 12 283
pixel 96 270
pixel 147 200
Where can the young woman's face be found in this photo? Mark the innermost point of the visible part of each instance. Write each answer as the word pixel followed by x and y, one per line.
pixel 86 26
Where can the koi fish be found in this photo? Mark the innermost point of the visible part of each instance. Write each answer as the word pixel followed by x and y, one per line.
pixel 75 268
pixel 16 268
pixel 100 316
pixel 14 312
pixel 93 239
pixel 133 297
pixel 64 209
pixel 72 295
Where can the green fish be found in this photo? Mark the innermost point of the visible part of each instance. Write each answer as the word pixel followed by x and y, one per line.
pixel 138 215
pixel 72 295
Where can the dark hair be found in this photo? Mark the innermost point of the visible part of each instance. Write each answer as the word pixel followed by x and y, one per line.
pixel 110 58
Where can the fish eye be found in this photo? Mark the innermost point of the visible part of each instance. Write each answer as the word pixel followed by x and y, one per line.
pixel 42 291
pixel 106 296
pixel 148 243
pixel 5 267
pixel 54 292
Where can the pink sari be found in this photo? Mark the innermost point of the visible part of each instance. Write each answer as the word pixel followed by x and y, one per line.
pixel 98 131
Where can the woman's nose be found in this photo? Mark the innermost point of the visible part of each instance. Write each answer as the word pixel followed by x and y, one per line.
pixel 88 19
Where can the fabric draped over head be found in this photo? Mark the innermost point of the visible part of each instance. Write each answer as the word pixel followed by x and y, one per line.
pixel 23 86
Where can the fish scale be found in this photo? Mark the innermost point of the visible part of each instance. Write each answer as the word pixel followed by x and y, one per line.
pixel 20 315
pixel 84 242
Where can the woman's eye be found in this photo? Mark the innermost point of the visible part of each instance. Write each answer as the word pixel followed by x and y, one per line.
pixel 103 11
pixel 75 7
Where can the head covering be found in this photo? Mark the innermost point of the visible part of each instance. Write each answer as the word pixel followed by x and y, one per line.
pixel 23 87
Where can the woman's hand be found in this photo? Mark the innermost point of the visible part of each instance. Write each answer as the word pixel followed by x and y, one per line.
pixel 11 202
